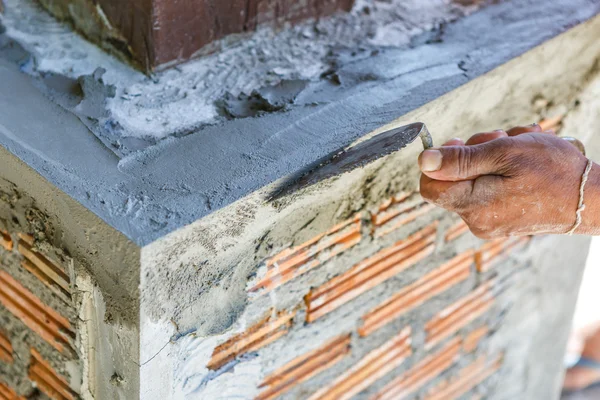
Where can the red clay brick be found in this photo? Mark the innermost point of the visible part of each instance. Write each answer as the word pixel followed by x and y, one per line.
pixel 43 320
pixel 7 393
pixel 368 370
pixel 395 206
pixel 304 367
pixel 420 374
pixel 293 262
pixel 474 338
pixel 5 240
pixel 257 336
pixel 27 238
pixel 458 315
pixel 399 211
pixel 47 271
pixel 370 273
pixel 6 350
pixel 456 231
pixel 497 250
pixel 439 280
pixel 467 379
pixel 47 380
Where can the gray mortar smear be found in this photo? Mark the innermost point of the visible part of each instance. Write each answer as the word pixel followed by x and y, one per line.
pixel 142 110
pixel 155 190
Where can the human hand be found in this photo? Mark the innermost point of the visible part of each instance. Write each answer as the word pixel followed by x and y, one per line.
pixel 520 182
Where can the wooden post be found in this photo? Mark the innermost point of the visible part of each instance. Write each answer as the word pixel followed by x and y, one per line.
pixel 154 34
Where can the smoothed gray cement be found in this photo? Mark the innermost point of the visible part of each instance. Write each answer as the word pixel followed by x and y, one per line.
pixel 157 190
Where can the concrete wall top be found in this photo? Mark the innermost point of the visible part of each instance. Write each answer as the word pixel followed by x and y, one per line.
pixel 152 190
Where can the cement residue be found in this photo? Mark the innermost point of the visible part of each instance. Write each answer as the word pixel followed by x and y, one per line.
pixel 186 98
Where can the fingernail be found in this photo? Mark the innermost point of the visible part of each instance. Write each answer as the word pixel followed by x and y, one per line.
pixel 431 160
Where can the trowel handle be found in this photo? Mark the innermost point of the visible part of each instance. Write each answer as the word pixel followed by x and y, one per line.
pixel 427 140
pixel 575 142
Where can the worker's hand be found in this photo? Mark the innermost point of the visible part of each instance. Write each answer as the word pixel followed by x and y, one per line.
pixel 519 182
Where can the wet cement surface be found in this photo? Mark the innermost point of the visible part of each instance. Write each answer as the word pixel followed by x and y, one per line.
pixel 161 188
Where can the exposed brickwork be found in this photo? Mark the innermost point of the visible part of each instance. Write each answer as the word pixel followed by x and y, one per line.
pixel 474 338
pixel 47 380
pixel 420 374
pixel 47 271
pixel 6 349
pixel 5 240
pixel 370 273
pixel 293 262
pixel 497 250
pixel 466 380
pixel 399 211
pixel 456 231
pixel 445 325
pixel 305 367
pixel 454 271
pixel 26 238
pixel 50 325
pixel 259 335
pixel 369 369
pixel 7 393
pixel 458 315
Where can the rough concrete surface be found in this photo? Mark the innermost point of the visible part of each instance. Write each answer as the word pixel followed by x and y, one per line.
pixel 158 189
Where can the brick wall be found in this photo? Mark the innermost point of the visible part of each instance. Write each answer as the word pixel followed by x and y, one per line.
pixel 425 334
pixel 38 329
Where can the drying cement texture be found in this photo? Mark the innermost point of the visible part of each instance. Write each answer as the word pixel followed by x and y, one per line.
pixel 168 232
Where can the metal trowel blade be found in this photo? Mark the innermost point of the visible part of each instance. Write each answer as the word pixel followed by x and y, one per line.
pixel 347 160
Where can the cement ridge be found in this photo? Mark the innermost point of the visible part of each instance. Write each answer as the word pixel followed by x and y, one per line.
pixel 155 191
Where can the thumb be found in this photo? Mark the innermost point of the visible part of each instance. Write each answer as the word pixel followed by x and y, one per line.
pixel 459 163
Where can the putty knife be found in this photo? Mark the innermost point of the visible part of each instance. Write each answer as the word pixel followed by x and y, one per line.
pixel 346 160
